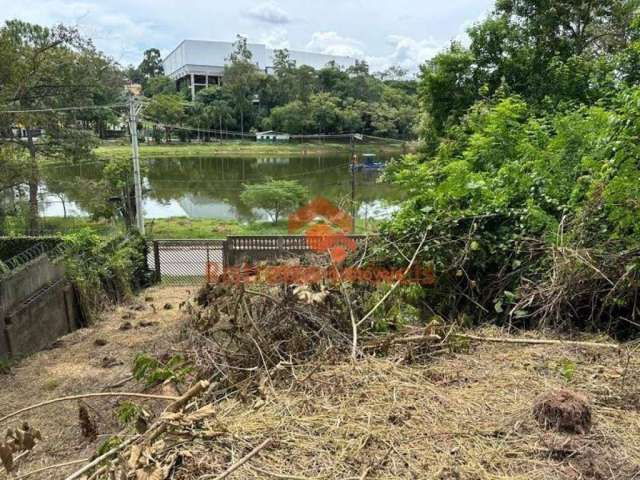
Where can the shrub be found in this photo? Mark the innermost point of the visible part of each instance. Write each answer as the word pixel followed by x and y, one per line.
pixel 528 218
pixel 105 271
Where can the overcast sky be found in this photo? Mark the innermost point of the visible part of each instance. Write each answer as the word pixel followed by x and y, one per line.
pixel 385 33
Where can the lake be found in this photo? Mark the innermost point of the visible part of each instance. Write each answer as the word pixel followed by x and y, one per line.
pixel 211 187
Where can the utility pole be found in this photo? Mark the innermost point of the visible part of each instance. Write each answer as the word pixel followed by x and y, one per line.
pixel 353 185
pixel 134 110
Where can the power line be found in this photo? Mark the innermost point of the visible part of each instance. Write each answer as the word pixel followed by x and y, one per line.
pixel 65 109
pixel 195 129
pixel 252 135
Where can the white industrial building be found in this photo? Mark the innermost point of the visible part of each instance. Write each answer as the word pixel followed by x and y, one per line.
pixel 200 63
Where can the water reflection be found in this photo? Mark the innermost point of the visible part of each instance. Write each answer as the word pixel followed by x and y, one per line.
pixel 211 187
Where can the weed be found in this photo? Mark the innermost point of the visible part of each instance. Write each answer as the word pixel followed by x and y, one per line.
pixel 152 371
pixel 567 369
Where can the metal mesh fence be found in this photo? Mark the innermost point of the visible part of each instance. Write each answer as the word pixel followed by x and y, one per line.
pixel 195 262
pixel 186 262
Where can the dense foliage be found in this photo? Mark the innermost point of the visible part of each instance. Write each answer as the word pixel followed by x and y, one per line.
pixel 293 99
pixel 527 188
pixel 48 68
pixel 105 271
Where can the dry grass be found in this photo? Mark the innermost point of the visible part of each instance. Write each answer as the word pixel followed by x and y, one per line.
pixel 413 413
pixel 77 365
pixel 460 416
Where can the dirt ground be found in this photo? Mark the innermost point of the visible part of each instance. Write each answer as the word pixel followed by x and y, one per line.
pixel 462 414
pixel 82 362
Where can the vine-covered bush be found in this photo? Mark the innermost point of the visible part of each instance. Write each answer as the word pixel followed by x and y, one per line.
pixel 105 272
pixel 530 218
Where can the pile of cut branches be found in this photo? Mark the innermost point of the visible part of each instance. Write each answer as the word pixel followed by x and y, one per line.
pixel 235 332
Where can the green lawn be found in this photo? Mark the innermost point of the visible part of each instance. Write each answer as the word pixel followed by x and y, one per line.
pixel 183 227
pixel 194 228
pixel 172 228
pixel 114 150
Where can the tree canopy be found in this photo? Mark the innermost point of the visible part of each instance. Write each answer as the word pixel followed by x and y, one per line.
pixel 48 68
pixel 276 197
pixel 530 156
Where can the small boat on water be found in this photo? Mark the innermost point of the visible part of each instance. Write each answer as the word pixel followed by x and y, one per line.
pixel 369 161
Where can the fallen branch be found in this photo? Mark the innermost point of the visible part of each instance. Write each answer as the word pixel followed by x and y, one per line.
pixel 403 340
pixel 534 341
pixel 51 467
pixel 160 427
pixel 239 463
pixel 86 395
pixel 352 315
pixel 153 432
pixel 283 476
pixel 102 458
pixel 120 383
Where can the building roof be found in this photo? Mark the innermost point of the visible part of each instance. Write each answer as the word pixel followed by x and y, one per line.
pixel 205 57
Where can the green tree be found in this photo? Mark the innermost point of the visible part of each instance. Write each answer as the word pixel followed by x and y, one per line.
pixel 550 53
pixel 151 65
pixel 48 68
pixel 291 118
pixel 325 112
pixel 214 108
pixel 241 78
pixel 276 197
pixel 167 110
pixel 159 85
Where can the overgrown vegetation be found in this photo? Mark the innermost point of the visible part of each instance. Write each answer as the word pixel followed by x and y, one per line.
pixel 527 186
pixel 105 271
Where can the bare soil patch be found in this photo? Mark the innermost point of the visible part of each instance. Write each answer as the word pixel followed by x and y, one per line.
pixel 87 360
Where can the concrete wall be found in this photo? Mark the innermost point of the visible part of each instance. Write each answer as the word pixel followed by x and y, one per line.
pixel 37 306
pixel 27 281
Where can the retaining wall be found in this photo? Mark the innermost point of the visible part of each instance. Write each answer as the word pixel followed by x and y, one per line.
pixel 37 306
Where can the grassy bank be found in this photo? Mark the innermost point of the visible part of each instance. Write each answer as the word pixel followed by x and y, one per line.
pixel 175 228
pixel 114 150
pixel 182 227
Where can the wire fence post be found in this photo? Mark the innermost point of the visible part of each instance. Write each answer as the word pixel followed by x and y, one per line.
pixel 156 259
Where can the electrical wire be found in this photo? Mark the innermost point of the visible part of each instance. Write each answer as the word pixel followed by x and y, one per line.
pixel 253 135
pixel 65 109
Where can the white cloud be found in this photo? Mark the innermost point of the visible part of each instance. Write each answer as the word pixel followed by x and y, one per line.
pixel 408 53
pixel 112 31
pixel 331 43
pixel 276 38
pixel 269 12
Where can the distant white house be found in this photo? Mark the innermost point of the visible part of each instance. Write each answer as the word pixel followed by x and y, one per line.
pixel 270 137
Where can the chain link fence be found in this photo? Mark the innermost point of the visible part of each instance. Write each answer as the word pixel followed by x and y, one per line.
pixel 186 262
